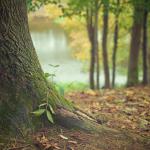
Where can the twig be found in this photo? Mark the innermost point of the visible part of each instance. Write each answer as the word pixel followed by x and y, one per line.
pixel 19 148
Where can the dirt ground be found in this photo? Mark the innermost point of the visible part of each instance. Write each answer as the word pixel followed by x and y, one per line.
pixel 59 138
pixel 126 110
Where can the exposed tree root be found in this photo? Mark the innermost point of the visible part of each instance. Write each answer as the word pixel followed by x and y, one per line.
pixel 80 120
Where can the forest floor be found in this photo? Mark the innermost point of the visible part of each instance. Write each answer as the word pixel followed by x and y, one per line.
pixel 126 110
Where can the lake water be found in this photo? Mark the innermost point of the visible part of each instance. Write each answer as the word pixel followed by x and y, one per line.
pixel 52 48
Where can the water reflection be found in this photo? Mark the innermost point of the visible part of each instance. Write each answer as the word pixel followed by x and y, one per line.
pixel 52 48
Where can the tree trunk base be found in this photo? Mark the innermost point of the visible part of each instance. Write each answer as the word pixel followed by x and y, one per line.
pixel 80 120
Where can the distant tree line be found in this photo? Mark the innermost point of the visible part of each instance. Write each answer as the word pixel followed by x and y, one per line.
pixel 90 10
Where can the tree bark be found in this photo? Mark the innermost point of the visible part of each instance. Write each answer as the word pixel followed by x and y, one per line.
pixel 135 46
pixel 104 46
pixel 90 30
pixel 148 51
pixel 92 27
pixel 22 82
pixel 144 50
pixel 92 68
pixel 96 45
pixel 80 120
pixel 149 66
pixel 115 45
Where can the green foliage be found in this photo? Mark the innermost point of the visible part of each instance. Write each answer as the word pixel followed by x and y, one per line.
pixel 54 98
pixel 51 75
pixel 38 112
pixel 125 13
pixel 33 5
pixel 60 89
pixel 45 108
pixel 73 86
pixel 49 116
pixel 47 75
pixel 50 104
pixel 79 7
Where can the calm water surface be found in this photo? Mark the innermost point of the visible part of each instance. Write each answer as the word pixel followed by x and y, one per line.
pixel 52 48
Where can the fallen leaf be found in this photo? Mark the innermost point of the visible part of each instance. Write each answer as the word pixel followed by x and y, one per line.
pixel 63 137
pixel 72 142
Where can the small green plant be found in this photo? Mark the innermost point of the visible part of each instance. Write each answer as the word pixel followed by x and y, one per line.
pixel 52 75
pixel 45 108
pixel 50 104
pixel 53 99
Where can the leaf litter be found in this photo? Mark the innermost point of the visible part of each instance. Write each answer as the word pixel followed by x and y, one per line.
pixel 122 109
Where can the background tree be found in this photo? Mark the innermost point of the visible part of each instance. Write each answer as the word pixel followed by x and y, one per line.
pixel 116 34
pixel 92 28
pixel 88 9
pixel 104 44
pixel 144 44
pixel 135 43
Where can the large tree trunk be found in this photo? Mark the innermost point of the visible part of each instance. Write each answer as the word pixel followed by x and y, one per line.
pixel 144 50
pixel 148 49
pixel 115 45
pixel 22 82
pixel 135 46
pixel 149 65
pixel 104 46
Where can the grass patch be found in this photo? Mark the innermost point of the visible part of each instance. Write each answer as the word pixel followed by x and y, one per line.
pixel 69 87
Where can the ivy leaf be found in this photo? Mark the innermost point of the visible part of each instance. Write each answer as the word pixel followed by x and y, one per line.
pixel 38 112
pixel 49 116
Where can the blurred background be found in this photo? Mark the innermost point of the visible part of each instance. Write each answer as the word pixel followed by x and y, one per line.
pixel 62 42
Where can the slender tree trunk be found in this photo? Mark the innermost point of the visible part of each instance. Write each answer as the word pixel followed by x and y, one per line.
pixel 144 50
pixel 96 46
pixel 97 70
pixel 104 47
pixel 114 53
pixel 92 66
pixel 135 46
pixel 22 82
pixel 115 46
pixel 90 30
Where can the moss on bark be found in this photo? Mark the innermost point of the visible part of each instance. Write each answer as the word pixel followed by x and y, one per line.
pixel 22 81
